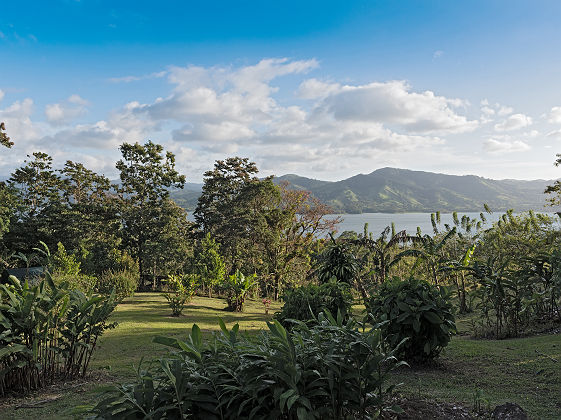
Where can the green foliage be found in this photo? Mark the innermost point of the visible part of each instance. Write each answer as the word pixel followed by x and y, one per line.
pixel 123 282
pixel 63 263
pixel 181 290
pixel 338 262
pixel 328 371
pixel 305 303
pixel 146 175
pixel 82 282
pixel 237 288
pixel 208 263
pixel 4 139
pixel 47 332
pixel 416 311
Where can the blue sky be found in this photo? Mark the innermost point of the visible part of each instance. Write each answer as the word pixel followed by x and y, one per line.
pixel 322 89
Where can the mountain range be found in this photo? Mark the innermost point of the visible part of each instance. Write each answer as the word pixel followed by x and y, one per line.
pixel 392 190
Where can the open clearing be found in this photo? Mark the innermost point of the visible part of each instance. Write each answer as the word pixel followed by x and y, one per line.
pixel 525 370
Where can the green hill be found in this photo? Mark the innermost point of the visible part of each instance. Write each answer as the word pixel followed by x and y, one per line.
pixel 391 190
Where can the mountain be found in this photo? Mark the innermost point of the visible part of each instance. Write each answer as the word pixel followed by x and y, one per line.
pixel 392 190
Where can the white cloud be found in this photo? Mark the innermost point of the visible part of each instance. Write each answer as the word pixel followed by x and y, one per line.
pixel 129 79
pixel 316 89
pixel 504 110
pixel 494 145
pixel 394 103
pixel 437 54
pixel 1 94
pixel 514 122
pixel 17 117
pixel 67 111
pixel 555 115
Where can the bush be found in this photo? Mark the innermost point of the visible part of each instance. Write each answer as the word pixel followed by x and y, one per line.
pixel 416 310
pixel 181 291
pixel 86 284
pixel 124 282
pixel 306 302
pixel 328 371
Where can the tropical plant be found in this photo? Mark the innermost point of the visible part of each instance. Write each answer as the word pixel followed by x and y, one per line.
pixel 415 310
pixel 47 332
pixel 337 261
pixel 330 370
pixel 237 288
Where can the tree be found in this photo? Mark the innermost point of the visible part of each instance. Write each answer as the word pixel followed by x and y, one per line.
pixel 4 139
pixel 208 263
pixel 221 186
pixel 555 189
pixel 146 176
pixel 38 191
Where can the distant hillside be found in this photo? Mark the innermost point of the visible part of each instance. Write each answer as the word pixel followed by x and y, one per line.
pixel 390 190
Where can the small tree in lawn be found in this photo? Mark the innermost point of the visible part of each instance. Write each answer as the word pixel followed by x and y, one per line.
pixel 181 292
pixel 208 263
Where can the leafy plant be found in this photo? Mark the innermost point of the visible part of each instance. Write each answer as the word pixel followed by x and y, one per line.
pixel 331 370
pixel 306 302
pixel 237 288
pixel 415 310
pixel 47 331
pixel 182 289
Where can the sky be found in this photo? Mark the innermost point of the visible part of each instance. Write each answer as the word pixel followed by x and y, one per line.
pixel 324 89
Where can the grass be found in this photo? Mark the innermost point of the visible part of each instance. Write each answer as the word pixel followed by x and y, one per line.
pixel 518 370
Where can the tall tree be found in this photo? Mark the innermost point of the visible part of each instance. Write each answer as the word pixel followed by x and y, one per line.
pixel 146 175
pixel 221 186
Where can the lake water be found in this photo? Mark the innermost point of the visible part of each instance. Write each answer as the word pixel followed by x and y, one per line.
pixel 377 222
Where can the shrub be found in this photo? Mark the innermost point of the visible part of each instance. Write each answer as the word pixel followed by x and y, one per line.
pixel 83 282
pixel 124 282
pixel 415 310
pixel 306 302
pixel 237 287
pixel 182 289
pixel 328 371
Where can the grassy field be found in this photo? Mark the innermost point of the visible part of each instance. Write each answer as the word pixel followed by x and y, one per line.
pixel 526 371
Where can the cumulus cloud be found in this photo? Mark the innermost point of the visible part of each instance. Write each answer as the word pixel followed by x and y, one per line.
pixel 514 122
pixel 494 145
pixel 394 103
pixel 63 113
pixel 17 117
pixel 555 115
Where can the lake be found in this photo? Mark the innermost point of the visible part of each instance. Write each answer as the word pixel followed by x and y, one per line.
pixel 377 222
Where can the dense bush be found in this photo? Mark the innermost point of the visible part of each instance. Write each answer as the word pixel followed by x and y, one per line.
pixel 47 332
pixel 416 311
pixel 306 302
pixel 328 371
pixel 124 282
pixel 83 282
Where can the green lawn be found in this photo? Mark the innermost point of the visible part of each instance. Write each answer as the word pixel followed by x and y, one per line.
pixel 519 370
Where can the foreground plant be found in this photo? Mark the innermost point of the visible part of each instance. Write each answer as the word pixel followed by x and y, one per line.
pixel 416 310
pixel 48 332
pixel 333 370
